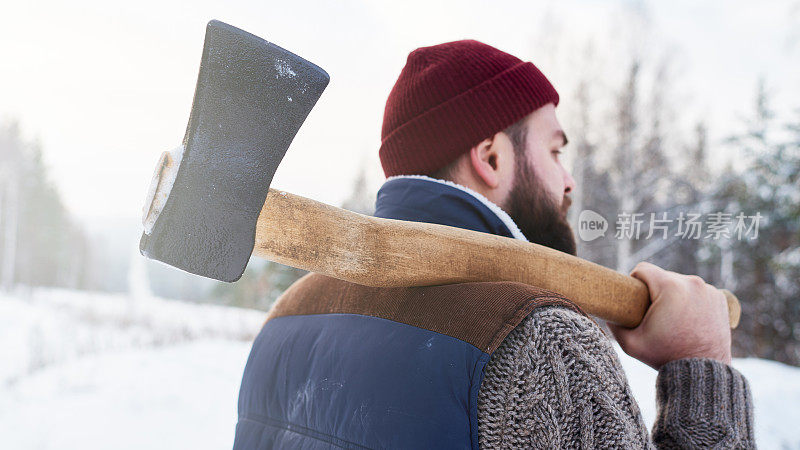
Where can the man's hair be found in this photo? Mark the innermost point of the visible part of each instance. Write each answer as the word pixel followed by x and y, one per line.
pixel 516 132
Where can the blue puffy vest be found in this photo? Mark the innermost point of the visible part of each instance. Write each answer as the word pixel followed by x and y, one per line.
pixel 339 365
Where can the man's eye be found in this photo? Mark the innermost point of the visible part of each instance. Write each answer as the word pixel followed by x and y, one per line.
pixel 556 152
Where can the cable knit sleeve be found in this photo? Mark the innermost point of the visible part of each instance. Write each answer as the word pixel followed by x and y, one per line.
pixel 556 382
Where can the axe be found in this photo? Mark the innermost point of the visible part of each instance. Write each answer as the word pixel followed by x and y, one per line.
pixel 210 206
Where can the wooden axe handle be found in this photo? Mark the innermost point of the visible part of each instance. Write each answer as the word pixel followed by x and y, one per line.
pixel 371 251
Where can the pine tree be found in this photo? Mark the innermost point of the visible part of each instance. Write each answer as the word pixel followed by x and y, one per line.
pixel 592 185
pixel 767 267
pixel 40 245
pixel 10 165
pixel 689 196
pixel 361 199
pixel 640 170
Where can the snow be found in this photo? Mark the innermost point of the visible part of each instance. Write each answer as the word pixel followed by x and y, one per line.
pixel 95 371
pixel 180 396
pixel 284 69
pixel 48 327
pixel 775 388
pixel 87 370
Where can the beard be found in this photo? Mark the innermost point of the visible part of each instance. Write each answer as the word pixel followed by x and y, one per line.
pixel 535 212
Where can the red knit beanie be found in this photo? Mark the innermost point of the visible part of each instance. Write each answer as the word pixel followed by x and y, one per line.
pixel 450 97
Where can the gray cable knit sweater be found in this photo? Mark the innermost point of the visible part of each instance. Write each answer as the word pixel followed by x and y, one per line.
pixel 556 382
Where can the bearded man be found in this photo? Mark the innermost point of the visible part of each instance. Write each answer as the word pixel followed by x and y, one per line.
pixel 470 139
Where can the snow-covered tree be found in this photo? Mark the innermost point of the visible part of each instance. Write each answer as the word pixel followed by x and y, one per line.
pixel 40 244
pixel 640 171
pixel 361 198
pixel 766 267
pixel 10 165
pixel 592 183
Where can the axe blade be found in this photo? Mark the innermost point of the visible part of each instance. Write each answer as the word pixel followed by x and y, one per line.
pixel 251 98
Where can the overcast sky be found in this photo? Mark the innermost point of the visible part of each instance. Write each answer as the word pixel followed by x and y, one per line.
pixel 107 87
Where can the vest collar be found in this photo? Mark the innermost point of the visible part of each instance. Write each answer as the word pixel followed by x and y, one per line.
pixel 424 199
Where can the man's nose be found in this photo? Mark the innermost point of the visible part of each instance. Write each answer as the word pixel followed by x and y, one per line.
pixel 569 183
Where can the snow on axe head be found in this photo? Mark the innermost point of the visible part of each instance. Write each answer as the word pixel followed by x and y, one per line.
pixel 205 197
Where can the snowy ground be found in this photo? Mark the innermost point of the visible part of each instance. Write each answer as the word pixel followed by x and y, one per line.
pixel 96 371
pixel 86 371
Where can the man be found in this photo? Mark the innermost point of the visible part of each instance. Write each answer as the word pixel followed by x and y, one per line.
pixel 470 139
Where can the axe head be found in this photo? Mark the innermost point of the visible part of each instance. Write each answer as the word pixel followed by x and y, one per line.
pixel 251 98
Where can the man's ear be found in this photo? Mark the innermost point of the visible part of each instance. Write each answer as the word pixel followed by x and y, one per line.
pixel 484 160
